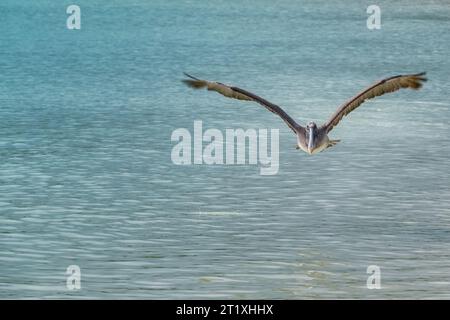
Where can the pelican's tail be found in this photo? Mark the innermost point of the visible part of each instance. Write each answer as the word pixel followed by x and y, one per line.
pixel 332 143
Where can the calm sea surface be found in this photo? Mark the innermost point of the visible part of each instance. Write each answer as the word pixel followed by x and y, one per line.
pixel 86 176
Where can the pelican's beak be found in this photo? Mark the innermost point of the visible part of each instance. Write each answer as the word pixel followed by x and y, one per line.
pixel 311 142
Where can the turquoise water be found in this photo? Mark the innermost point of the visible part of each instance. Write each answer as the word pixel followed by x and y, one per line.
pixel 86 177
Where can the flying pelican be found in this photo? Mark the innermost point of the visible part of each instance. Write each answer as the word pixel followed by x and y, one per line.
pixel 314 139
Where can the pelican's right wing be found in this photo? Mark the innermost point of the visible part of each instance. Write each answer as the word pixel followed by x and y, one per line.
pixel 240 94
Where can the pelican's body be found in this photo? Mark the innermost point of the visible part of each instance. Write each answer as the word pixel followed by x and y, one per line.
pixel 313 139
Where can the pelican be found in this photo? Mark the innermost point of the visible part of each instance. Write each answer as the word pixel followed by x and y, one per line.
pixel 313 139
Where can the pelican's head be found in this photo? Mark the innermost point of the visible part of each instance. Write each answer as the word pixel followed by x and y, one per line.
pixel 312 131
pixel 312 125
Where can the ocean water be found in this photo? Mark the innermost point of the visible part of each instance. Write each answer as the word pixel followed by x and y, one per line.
pixel 86 177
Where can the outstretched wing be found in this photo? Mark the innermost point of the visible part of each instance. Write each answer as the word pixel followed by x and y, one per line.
pixel 240 94
pixel 413 81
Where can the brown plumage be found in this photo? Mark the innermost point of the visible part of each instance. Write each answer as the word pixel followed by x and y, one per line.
pixel 412 81
pixel 313 139
pixel 221 88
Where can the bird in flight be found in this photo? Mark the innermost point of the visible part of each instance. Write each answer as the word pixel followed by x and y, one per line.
pixel 313 139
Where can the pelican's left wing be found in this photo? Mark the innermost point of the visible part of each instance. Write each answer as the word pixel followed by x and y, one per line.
pixel 412 81
pixel 240 94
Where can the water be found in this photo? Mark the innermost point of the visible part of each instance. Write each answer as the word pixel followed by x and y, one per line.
pixel 86 177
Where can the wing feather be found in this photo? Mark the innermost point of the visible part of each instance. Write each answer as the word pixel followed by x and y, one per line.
pixel 240 94
pixel 412 81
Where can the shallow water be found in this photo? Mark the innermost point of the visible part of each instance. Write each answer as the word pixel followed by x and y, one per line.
pixel 85 171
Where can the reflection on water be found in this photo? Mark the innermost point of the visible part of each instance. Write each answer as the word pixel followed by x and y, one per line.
pixel 86 176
